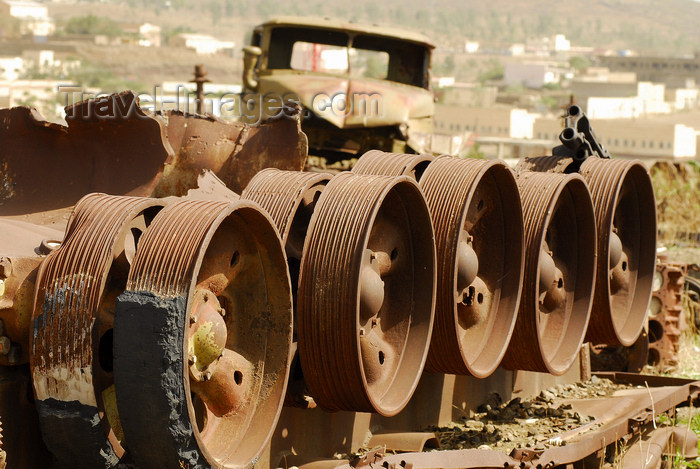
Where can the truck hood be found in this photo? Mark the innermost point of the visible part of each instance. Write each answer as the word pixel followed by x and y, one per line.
pixel 373 103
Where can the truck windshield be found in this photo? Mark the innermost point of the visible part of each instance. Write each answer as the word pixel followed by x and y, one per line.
pixel 340 53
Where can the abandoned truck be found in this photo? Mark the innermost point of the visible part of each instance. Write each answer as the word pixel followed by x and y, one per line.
pixel 364 87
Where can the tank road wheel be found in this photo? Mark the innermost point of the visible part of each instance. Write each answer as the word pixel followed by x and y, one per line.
pixel 71 350
pixel 366 294
pixel 623 197
pixel 202 337
pixel 392 164
pixel 476 212
pixel 560 260
pixel 290 198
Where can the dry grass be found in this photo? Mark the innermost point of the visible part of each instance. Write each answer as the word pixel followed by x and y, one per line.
pixel 677 190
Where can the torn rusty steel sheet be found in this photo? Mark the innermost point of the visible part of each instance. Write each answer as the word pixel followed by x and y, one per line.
pixel 71 348
pixel 109 146
pixel 234 151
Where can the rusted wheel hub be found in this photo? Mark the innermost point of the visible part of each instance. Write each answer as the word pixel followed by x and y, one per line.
pixel 202 337
pixel 477 216
pixel 366 294
pixel 559 272
pixel 392 164
pixel 623 197
pixel 71 353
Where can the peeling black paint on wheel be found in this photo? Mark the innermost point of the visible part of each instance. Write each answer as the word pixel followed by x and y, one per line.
pixel 61 421
pixel 149 363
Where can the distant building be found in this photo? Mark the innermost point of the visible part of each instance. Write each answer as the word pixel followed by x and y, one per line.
pixel 201 43
pixel 149 35
pixel 638 138
pixel 11 68
pixel 548 46
pixel 648 99
pixel 561 43
pixel 534 74
pixel 601 82
pixel 516 49
pixel 683 99
pixel 143 34
pixel 471 47
pixel 609 95
pixel 31 92
pixel 490 122
pixel 672 71
pixel 34 17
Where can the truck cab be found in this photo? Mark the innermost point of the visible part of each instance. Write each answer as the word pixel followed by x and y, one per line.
pixel 360 87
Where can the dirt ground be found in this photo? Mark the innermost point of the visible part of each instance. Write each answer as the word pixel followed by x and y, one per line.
pixel 523 423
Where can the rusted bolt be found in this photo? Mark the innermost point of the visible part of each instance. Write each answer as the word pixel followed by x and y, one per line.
pixel 5 267
pixel 5 345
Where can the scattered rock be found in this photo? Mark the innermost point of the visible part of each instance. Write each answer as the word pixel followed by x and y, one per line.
pixel 519 423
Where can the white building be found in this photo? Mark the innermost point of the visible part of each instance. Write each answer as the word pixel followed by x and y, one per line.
pixel 34 16
pixel 561 43
pixel 149 35
pixel 682 99
pixel 649 99
pixel 516 49
pixel 201 43
pixel 471 47
pixel 11 68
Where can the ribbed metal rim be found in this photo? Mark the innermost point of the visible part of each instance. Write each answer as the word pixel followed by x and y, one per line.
pixel 380 163
pixel 450 185
pixel 169 258
pixel 70 289
pixel 541 193
pixel 328 301
pixel 607 180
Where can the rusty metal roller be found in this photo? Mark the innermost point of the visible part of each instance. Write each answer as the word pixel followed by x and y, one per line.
pixel 560 256
pixel 71 344
pixel 625 210
pixel 475 208
pixel 392 164
pixel 366 294
pixel 202 337
pixel 290 198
